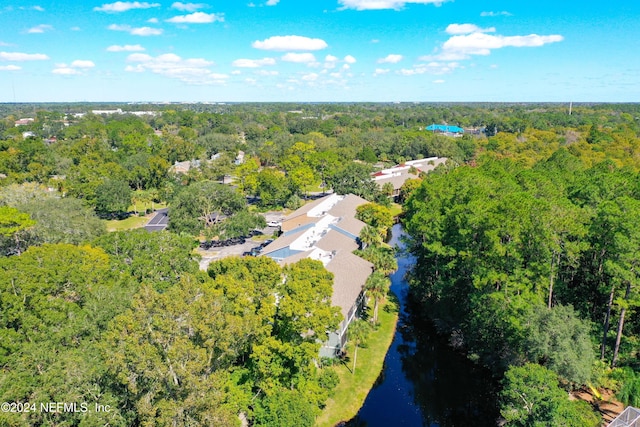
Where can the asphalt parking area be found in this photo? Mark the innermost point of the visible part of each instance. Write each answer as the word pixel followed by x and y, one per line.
pixel 214 254
pixel 159 222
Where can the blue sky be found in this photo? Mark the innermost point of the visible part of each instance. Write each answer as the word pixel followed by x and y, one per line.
pixel 320 50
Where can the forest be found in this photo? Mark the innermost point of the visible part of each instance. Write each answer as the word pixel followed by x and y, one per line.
pixel 527 243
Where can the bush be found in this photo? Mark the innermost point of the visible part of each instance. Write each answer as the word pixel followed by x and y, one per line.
pixel 293 203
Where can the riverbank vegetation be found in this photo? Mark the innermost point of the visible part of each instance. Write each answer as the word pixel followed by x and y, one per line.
pixel 353 388
pixel 529 258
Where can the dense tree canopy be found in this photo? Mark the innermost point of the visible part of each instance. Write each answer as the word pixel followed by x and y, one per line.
pixel 526 248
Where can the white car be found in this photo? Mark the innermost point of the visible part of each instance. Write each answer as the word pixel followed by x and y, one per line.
pixel 274 223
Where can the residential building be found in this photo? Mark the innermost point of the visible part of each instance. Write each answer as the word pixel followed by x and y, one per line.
pixel 630 417
pixel 327 230
pixel 24 122
pixel 397 175
pixel 446 130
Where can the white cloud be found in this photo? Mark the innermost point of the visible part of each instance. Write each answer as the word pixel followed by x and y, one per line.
pixel 445 56
pixel 125 48
pixel 266 72
pixel 439 81
pixel 502 13
pixel 82 63
pixel 146 31
pixel 152 20
pixel 482 44
pixel 380 71
pixel 192 71
pixel 456 29
pixel 434 68
pixel 300 58
pixel 19 56
pixel 197 18
pixel 311 77
pixel 38 8
pixel 65 71
pixel 468 40
pixel 10 68
pixel 188 7
pixel 38 29
pixel 253 63
pixel 123 6
pixel 142 31
pixel 284 43
pixel 384 4
pixel 390 59
pixel 272 2
pixel 74 69
pixel 75 28
pixel 349 59
pixel 330 61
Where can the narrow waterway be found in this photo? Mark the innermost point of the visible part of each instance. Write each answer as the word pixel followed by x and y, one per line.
pixel 424 382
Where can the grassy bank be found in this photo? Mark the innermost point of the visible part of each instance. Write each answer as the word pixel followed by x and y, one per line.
pixel 126 224
pixel 353 388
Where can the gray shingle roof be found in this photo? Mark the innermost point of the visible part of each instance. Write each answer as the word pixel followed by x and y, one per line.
pixel 350 274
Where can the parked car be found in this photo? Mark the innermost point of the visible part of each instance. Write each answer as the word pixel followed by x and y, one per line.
pixel 274 223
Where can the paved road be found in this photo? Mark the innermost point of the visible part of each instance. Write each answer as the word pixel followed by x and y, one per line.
pixel 159 222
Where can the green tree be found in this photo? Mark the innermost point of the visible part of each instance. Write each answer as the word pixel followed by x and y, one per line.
pixel 157 259
pixel 240 224
pixel 358 333
pixel 377 286
pixel 273 188
pixel 375 215
pixel 370 236
pixel 112 197
pixel 302 179
pixel 63 220
pixel 531 397
pixel 172 351
pixel 14 226
pixel 55 302
pixel 201 205
pixel 355 178
pixel 559 340
pixel 286 408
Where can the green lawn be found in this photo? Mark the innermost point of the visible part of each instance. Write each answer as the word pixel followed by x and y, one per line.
pixel 396 209
pixel 352 390
pixel 126 224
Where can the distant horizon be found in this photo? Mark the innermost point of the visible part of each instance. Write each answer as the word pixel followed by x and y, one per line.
pixel 556 103
pixel 321 51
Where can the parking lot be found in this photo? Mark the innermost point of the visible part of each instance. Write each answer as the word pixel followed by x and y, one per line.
pixel 216 253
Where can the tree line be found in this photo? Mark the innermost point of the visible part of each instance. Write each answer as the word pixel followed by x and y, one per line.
pixel 535 270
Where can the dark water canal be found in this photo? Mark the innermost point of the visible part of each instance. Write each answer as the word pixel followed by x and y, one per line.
pixel 424 382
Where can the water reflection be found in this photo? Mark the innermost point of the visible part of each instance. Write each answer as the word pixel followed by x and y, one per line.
pixel 424 382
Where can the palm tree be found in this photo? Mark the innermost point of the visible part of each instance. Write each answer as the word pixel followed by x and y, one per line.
pixel 377 286
pixel 358 332
pixel 383 260
pixel 370 236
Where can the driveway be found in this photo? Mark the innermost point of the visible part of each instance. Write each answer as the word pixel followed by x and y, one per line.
pixel 159 222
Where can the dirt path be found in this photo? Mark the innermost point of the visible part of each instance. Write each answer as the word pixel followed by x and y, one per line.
pixel 608 406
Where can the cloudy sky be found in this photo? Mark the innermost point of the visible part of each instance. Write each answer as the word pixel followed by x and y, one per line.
pixel 320 50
